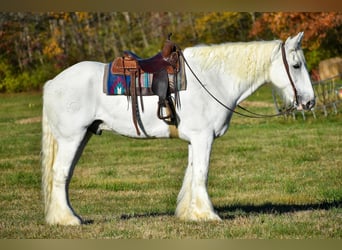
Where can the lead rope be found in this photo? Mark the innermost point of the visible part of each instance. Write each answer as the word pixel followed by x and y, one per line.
pixel 255 115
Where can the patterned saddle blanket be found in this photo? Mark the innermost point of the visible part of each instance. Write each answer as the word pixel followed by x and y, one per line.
pixel 115 83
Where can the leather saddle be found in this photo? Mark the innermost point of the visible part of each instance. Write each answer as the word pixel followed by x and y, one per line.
pixel 161 65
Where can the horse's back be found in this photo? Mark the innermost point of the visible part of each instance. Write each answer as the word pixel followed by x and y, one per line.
pixel 79 73
pixel 77 80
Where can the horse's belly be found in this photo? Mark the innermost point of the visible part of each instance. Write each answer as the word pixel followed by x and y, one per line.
pixel 116 113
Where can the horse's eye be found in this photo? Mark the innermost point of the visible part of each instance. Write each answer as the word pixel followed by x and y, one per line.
pixel 296 66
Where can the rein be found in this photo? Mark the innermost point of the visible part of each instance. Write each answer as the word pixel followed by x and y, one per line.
pixel 252 114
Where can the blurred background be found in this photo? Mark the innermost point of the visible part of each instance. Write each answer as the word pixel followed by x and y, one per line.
pixel 34 47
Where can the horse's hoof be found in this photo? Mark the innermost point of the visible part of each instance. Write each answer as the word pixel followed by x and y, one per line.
pixel 204 216
pixel 69 220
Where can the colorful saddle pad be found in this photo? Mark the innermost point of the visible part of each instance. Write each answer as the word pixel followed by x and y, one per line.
pixel 119 84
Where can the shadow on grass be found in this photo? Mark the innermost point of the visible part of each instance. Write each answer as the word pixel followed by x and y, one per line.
pixel 146 215
pixel 231 212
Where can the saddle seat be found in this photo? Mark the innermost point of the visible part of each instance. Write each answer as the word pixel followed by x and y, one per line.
pixel 166 59
pixel 149 65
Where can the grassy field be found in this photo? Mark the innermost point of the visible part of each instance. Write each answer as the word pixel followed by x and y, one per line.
pixel 269 178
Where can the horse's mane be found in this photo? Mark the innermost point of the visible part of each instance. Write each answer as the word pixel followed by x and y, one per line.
pixel 245 61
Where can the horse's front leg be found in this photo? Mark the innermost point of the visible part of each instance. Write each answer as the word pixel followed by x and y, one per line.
pixel 193 200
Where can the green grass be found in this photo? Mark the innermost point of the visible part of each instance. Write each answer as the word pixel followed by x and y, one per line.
pixel 269 178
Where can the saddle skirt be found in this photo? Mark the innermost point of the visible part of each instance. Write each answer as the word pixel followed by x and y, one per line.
pixel 117 78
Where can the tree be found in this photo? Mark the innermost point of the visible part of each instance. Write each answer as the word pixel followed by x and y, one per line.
pixel 36 46
pixel 322 31
pixel 20 40
pixel 218 27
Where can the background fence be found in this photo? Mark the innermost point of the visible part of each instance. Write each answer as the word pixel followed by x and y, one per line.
pixel 328 99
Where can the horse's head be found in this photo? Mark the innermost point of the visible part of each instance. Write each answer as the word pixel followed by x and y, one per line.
pixel 290 76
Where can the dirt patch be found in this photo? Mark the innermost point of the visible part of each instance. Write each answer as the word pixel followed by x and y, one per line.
pixel 29 120
pixel 257 104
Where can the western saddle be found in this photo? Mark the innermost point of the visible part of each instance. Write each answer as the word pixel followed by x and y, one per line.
pixel 161 65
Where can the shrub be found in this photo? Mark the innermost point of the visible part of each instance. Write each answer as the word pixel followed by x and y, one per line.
pixel 24 81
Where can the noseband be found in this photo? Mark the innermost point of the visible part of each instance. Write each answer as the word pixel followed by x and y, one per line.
pixel 288 72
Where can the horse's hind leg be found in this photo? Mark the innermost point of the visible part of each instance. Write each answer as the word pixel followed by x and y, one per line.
pixel 59 210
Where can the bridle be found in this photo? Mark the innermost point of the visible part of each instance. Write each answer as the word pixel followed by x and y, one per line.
pixel 283 54
pixel 252 114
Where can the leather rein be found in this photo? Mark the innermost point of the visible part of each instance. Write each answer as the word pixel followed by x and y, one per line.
pixel 251 114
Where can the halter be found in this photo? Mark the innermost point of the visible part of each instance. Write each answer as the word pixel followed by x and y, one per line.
pixel 254 115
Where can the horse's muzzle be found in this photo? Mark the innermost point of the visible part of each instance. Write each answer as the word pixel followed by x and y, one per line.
pixel 307 106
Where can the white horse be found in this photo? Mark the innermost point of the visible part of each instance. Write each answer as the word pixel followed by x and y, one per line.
pixel 74 99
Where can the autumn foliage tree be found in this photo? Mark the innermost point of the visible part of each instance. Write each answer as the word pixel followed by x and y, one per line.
pixel 323 31
pixel 34 47
pixel 216 27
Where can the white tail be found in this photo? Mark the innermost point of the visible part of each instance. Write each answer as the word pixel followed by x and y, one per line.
pixel 49 151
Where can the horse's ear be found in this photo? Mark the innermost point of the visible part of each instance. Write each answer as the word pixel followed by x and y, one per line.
pixel 295 42
pixel 299 38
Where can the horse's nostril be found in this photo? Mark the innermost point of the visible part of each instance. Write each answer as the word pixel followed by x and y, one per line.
pixel 309 105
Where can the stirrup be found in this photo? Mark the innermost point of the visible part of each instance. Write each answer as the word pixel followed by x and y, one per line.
pixel 160 113
pixel 170 117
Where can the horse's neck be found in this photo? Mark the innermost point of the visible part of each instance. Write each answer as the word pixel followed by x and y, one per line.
pixel 243 67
